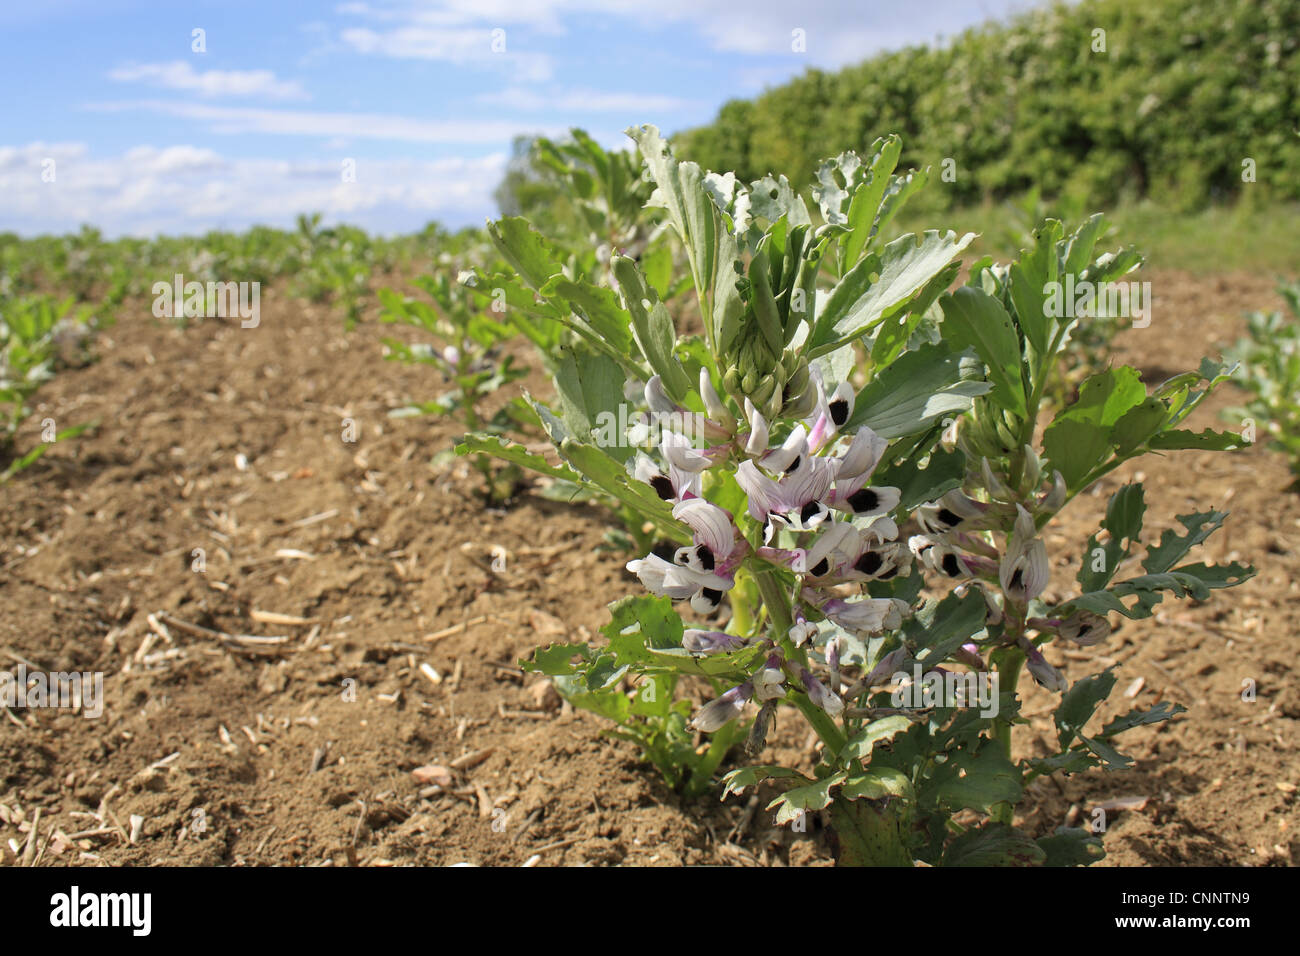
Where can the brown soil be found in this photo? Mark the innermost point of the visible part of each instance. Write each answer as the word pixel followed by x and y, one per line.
pixel 391 560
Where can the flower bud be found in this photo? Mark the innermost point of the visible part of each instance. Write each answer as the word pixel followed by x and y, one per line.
pixel 713 404
pixel 710 642
pixel 768 683
pixel 1085 628
pixel 1044 673
pixel 718 713
pixel 820 695
pixel 758 730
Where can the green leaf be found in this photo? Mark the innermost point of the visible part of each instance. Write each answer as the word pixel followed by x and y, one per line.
pixel 877 783
pixel 1075 760
pixel 1124 513
pixel 772 198
pixel 918 389
pixel 1027 280
pixel 860 744
pixel 1071 846
pixel 1112 758
pixel 864 207
pixel 507 450
pixel 589 386
pixel 525 249
pixel 972 318
pixel 640 623
pixel 657 267
pixel 737 780
pixel 956 619
pixel 811 797
pixel 1172 547
pixel 1075 448
pixel 1137 718
pixel 710 246
pixel 1209 440
pixel 1196 580
pixel 556 659
pixel 894 333
pixel 944 471
pixel 609 703
pixel 1104 398
pixel 994 844
pixel 901 188
pixel 1215 575
pixel 653 327
pixel 601 310
pixel 878 285
pixel 1136 426
pixel 1079 247
pixel 1079 703
pixel 973 780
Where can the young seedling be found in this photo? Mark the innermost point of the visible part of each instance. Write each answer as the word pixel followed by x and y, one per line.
pixel 466 349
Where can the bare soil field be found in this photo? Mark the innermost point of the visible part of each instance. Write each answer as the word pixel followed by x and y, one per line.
pixel 371 563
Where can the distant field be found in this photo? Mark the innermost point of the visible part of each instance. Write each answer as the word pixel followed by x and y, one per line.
pixel 1219 238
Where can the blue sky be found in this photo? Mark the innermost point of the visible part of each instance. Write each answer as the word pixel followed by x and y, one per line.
pixel 112 116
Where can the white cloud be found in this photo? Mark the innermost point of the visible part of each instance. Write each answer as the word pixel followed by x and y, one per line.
pixel 185 189
pixel 836 31
pixel 582 101
pixel 180 75
pixel 351 126
pixel 461 47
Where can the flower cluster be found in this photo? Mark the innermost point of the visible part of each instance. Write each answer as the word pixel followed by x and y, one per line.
pixel 813 510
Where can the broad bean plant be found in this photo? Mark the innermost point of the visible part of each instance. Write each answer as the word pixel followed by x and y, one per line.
pixel 38 336
pixel 867 553
pixel 1269 356
pixel 466 349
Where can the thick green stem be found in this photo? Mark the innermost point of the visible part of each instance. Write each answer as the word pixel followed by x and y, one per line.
pixel 780 615
pixel 720 743
pixel 775 600
pixel 1009 662
pixel 830 734
pixel 743 603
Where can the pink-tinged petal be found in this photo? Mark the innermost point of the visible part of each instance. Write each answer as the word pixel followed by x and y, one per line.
pixel 820 695
pixel 871 615
pixel 710 642
pixel 657 398
pixel 718 713
pixel 713 403
pixel 762 491
pixel 756 444
pixel 794 448
pixel 862 456
pixel 1044 673
pixel 823 430
pixel 712 525
pixel 886 668
pixel 810 482
pixel 681 454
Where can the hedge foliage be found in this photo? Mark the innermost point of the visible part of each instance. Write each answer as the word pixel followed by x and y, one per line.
pixel 1184 92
